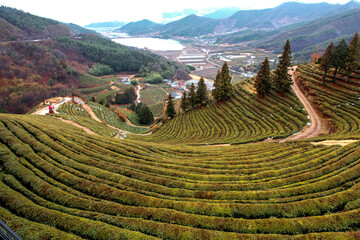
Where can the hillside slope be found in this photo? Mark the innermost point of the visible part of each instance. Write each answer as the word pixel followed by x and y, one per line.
pixel 305 38
pixel 338 101
pixel 18 25
pixel 264 19
pixel 286 14
pixel 191 25
pixel 57 180
pixel 316 32
pixel 139 27
pixel 244 118
pixel 28 65
pixel 222 13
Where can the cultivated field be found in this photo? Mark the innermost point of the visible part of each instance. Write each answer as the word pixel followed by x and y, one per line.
pixel 244 118
pixel 57 181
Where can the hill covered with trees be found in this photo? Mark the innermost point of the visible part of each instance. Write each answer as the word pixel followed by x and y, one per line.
pixel 18 25
pixel 50 66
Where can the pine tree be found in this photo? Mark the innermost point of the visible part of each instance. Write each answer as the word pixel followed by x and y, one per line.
pixel 145 114
pixel 201 93
pixel 262 81
pixel 223 88
pixel 282 80
pixel 192 95
pixel 353 57
pixel 217 83
pixel 138 107
pixel 338 57
pixel 170 110
pixel 226 88
pixel 184 102
pixel 325 60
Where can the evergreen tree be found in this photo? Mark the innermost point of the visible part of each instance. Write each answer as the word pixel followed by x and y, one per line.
pixel 262 81
pixel 223 88
pixel 201 93
pixel 282 80
pixel 145 114
pixel 325 60
pixel 132 107
pixel 184 102
pixel 353 57
pixel 192 95
pixel 217 83
pixel 127 97
pixel 170 110
pixel 338 57
pixel 226 88
pixel 138 107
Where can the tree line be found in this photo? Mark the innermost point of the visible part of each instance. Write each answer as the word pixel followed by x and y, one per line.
pixel 281 80
pixel 199 95
pixel 144 113
pixel 117 57
pixel 342 57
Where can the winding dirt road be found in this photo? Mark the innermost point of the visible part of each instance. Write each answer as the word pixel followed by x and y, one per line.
pixel 78 125
pixel 89 110
pixel 315 128
pixel 312 130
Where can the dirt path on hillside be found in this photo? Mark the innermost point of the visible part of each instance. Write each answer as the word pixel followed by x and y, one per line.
pixel 334 142
pixel 78 125
pixel 138 93
pixel 89 110
pixel 316 126
pixel 93 116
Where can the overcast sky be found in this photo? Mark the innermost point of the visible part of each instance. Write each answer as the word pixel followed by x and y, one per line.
pixel 83 12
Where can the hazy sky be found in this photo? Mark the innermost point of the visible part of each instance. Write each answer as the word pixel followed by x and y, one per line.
pixel 84 12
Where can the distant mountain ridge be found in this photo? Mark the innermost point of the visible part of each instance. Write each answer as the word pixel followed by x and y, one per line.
pixel 265 19
pixel 109 24
pixel 305 38
pixel 318 31
pixel 222 13
pixel 140 27
pixel 18 25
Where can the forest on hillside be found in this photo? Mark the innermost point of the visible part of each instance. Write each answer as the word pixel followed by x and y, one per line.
pixel 53 66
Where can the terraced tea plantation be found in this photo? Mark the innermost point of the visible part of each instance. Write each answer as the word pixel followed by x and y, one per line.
pixel 57 181
pixel 113 119
pixel 245 118
pixel 339 100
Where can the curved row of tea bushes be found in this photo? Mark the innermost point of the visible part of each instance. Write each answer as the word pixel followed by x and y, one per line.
pixel 244 118
pixel 340 100
pixel 260 191
pixel 73 110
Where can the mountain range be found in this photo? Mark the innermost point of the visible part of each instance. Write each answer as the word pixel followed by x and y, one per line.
pixel 266 19
pixel 110 24
pixel 301 35
pixel 306 25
